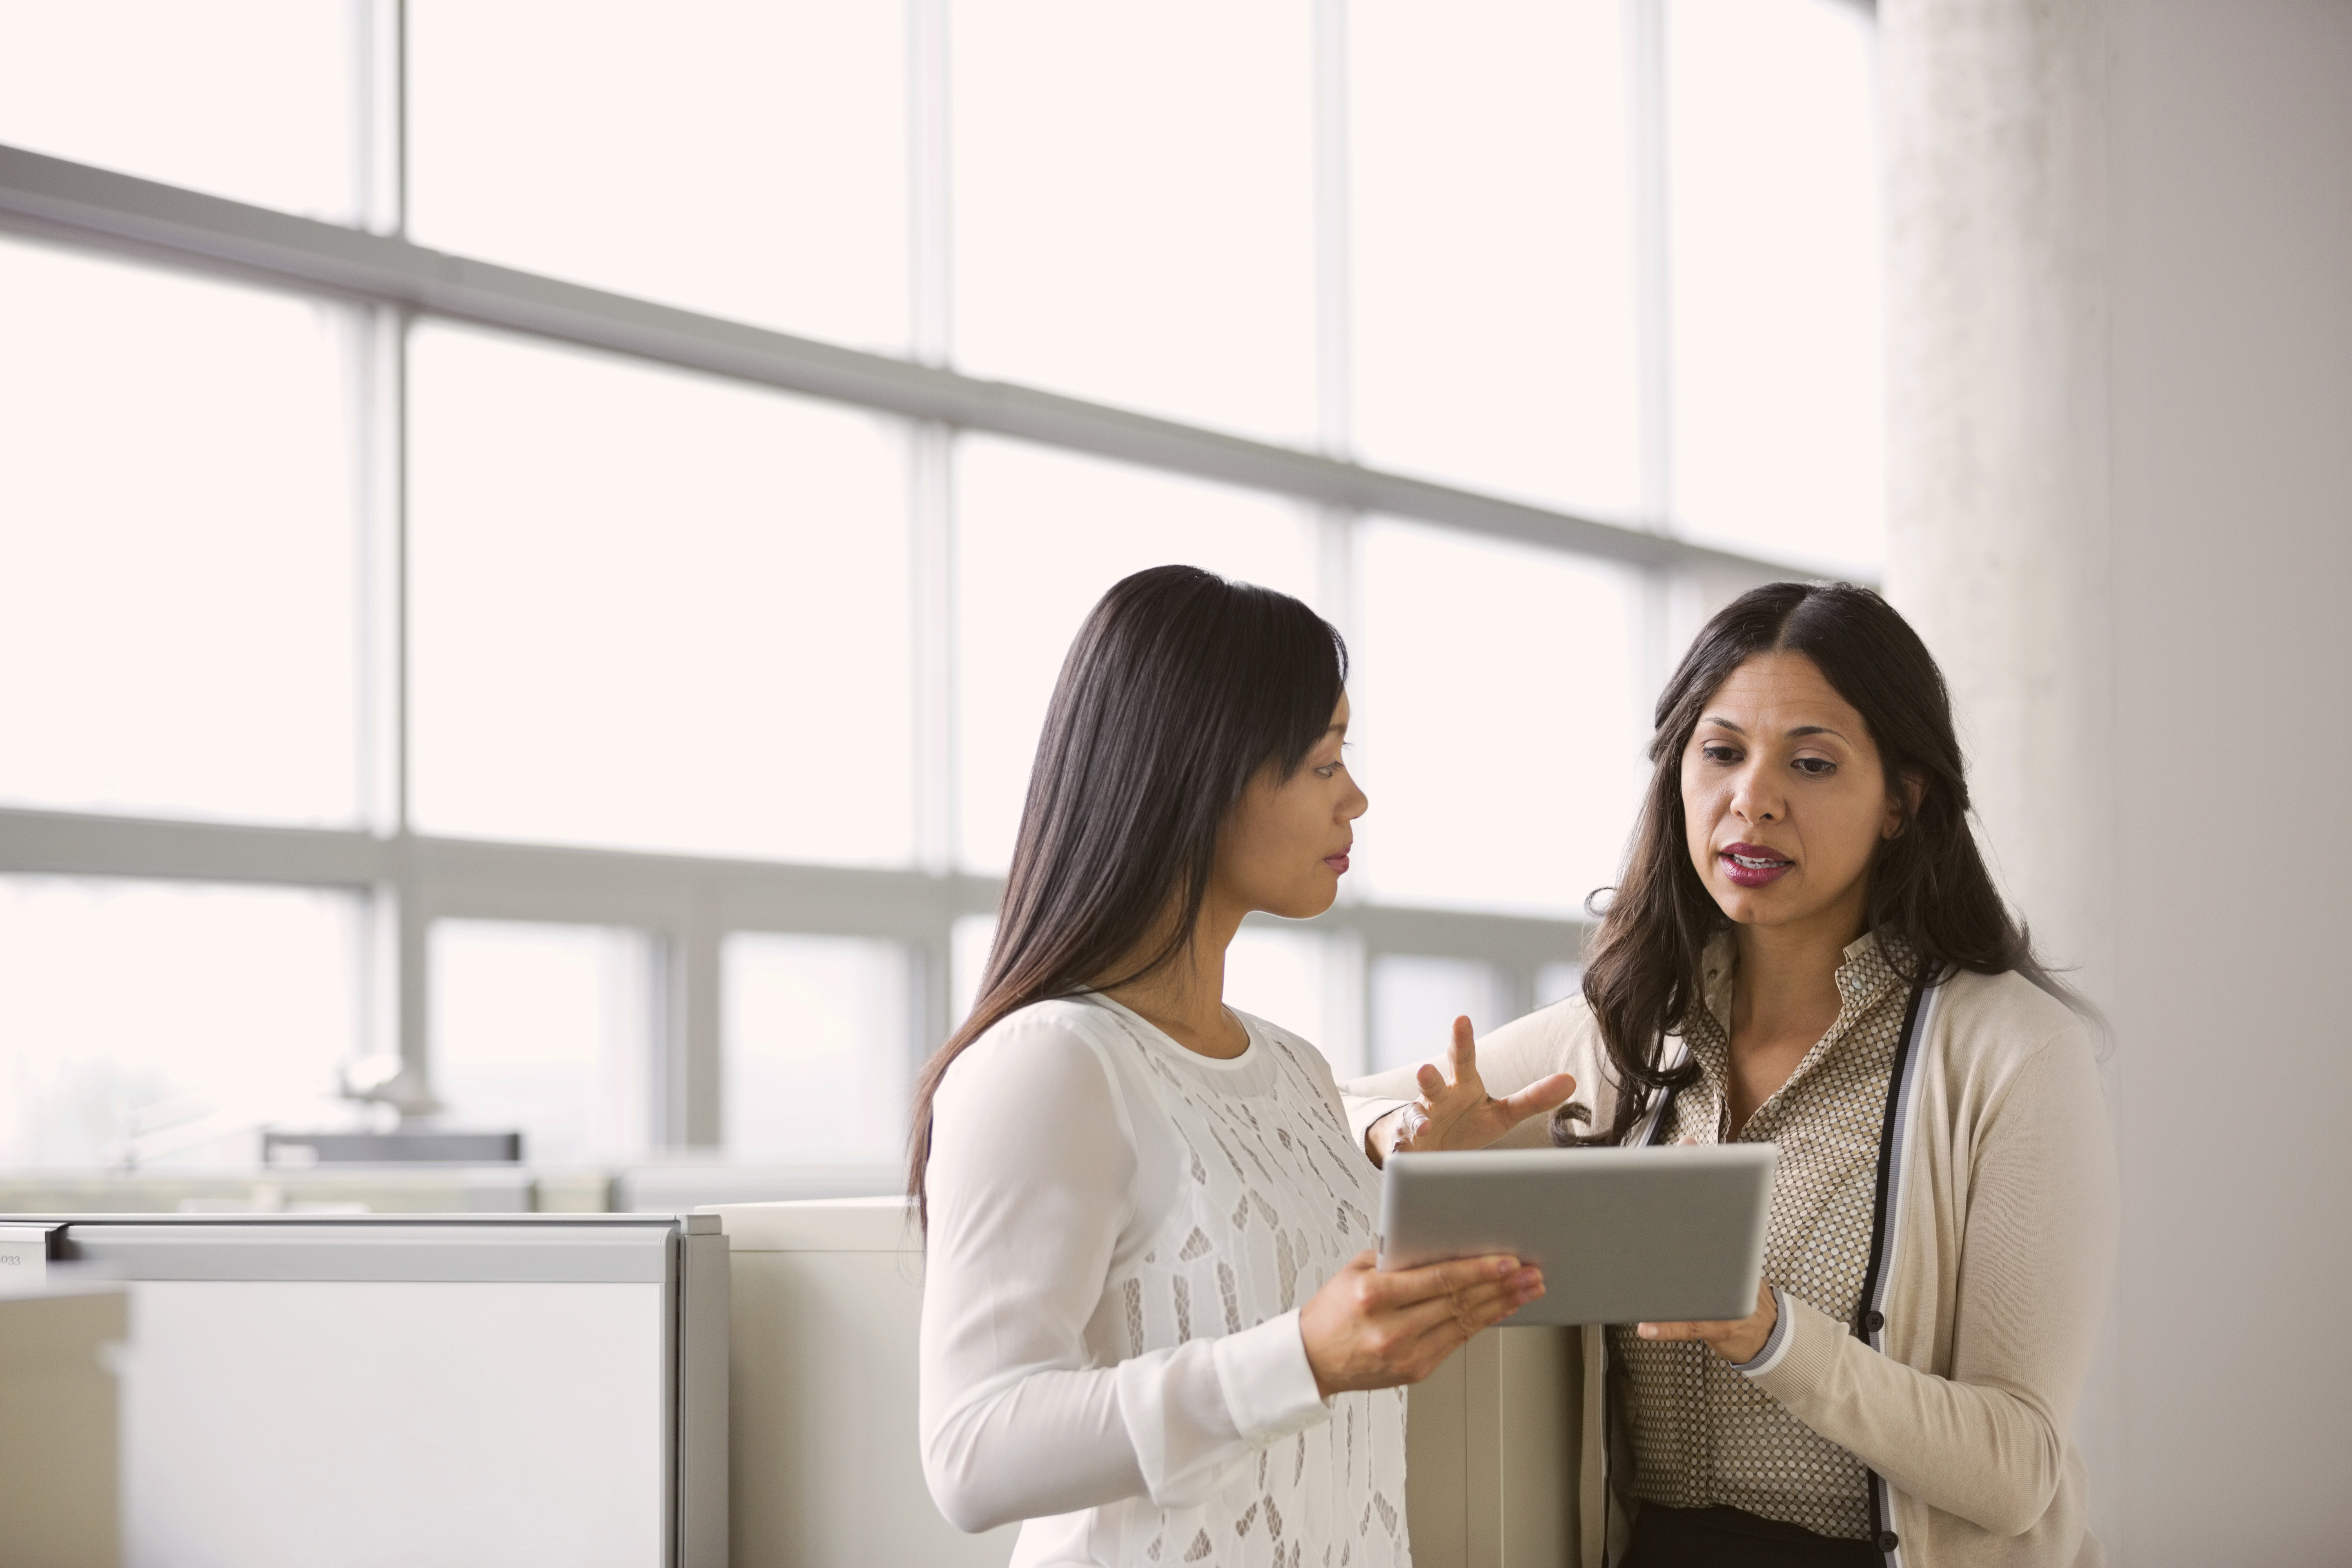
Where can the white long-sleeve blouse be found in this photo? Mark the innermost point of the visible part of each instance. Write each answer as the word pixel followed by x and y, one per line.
pixel 1122 1232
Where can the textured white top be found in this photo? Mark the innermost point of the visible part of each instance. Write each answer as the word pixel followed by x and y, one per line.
pixel 1121 1231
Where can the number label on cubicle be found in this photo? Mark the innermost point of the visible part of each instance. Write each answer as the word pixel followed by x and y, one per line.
pixel 24 1256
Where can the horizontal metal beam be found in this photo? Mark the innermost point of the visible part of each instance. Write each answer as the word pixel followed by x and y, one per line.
pixel 75 202
pixel 468 879
pixel 81 843
pixel 1523 942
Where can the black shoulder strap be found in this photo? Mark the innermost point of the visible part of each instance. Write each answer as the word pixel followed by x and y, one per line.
pixel 1869 1311
pixel 1655 1118
pixel 1867 1316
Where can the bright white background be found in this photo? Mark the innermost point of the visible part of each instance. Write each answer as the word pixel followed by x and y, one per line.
pixel 147 1022
pixel 549 1029
pixel 654 611
pixel 253 99
pixel 737 157
pixel 1777 362
pixel 1500 737
pixel 1140 228
pixel 818 1045
pixel 1492 254
pixel 178 588
pixel 1041 535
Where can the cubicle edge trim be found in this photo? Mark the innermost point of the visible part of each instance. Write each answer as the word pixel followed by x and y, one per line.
pixel 700 1459
pixel 487 1249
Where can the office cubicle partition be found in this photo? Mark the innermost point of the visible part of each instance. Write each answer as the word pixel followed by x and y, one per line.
pixel 58 1418
pixel 828 1472
pixel 827 1459
pixel 352 1391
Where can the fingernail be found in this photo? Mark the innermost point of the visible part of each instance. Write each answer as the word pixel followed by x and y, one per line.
pixel 1648 1331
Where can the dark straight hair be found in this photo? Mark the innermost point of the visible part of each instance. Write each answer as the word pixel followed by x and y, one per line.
pixel 1928 884
pixel 1181 688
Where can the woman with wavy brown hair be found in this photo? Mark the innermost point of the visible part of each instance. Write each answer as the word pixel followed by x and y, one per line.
pixel 1806 949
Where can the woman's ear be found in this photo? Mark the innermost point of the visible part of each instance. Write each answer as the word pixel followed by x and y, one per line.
pixel 1902 804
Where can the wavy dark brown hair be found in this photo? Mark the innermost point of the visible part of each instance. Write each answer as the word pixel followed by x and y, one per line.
pixel 1181 688
pixel 1928 884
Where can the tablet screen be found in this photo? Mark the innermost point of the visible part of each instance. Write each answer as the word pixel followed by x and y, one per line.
pixel 1622 1235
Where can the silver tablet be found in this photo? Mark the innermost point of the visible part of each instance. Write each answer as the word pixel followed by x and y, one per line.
pixel 1624 1236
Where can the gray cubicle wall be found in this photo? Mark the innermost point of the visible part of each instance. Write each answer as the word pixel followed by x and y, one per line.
pixel 347 1391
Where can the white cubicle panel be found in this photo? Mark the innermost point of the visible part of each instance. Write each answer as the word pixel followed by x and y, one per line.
pixel 825 1469
pixel 826 1473
pixel 455 1390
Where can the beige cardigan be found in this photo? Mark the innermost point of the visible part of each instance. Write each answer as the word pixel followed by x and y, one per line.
pixel 2005 1203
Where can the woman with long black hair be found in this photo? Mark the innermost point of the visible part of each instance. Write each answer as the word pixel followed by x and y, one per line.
pixel 1806 949
pixel 1152 1328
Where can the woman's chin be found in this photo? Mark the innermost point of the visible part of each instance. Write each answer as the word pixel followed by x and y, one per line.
pixel 1306 903
pixel 1766 906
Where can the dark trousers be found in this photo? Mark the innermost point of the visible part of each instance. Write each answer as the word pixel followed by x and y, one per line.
pixel 1729 1538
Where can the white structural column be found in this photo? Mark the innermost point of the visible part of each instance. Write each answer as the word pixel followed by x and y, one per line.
pixel 2120 303
pixel 1995 125
pixel 1993 114
pixel 2233 483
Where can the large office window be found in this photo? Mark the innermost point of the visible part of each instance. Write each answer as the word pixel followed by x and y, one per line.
pixel 178 559
pixel 817 1036
pixel 653 610
pixel 265 101
pixel 536 539
pixel 547 1030
pixel 1501 736
pixel 156 1023
pixel 734 156
pixel 1039 535
pixel 1776 364
pixel 1416 1000
pixel 1134 205
pixel 1492 264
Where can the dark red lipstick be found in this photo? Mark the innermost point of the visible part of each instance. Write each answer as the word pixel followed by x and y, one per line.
pixel 1753 865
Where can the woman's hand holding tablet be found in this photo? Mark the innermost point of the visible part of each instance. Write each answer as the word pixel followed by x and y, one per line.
pixel 1737 1340
pixel 1366 1328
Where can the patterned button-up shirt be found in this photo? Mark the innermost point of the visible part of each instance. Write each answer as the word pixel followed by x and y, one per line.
pixel 1701 1433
